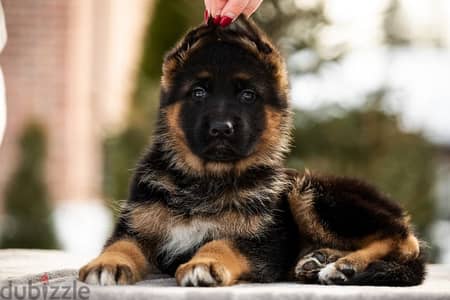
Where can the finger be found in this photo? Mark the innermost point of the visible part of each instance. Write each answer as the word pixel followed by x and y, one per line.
pixel 251 7
pixel 233 8
pixel 217 6
pixel 208 5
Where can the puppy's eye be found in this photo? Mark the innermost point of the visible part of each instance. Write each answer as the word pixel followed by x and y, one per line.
pixel 198 93
pixel 247 96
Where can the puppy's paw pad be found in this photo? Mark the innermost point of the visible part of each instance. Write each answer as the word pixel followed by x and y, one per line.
pixel 331 275
pixel 209 273
pixel 309 266
pixel 347 269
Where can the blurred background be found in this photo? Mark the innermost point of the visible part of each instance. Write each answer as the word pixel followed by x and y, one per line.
pixel 370 87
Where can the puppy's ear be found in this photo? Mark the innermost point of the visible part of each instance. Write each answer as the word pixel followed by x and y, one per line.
pixel 246 27
pixel 186 43
pixel 179 54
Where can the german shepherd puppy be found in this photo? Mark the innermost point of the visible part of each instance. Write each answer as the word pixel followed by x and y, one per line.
pixel 211 202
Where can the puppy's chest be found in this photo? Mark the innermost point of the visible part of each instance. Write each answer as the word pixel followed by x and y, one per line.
pixel 183 238
pixel 175 230
pixel 181 241
pixel 213 221
pixel 191 213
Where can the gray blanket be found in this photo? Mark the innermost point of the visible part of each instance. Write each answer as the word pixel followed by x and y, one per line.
pixel 56 271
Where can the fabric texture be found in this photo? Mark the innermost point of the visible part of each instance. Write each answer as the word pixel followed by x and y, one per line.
pixel 49 269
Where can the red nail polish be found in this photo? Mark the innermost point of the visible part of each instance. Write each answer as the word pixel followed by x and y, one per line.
pixel 225 21
pixel 206 16
pixel 216 20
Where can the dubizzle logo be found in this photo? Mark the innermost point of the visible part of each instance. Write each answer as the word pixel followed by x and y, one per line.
pixel 44 291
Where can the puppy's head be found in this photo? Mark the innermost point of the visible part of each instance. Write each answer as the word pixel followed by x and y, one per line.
pixel 224 100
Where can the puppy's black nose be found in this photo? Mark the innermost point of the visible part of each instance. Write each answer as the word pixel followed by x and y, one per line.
pixel 221 128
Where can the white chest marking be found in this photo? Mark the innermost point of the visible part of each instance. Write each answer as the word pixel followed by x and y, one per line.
pixel 182 238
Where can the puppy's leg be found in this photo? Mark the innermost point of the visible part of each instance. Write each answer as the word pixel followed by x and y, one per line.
pixel 356 262
pixel 217 263
pixel 349 214
pixel 122 262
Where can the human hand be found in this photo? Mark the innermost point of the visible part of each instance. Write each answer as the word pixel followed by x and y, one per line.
pixel 224 12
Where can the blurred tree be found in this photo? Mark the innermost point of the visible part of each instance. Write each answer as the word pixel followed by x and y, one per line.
pixel 297 28
pixel 28 222
pixel 170 20
pixel 369 143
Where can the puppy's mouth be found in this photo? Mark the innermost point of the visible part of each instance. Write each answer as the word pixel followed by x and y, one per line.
pixel 221 151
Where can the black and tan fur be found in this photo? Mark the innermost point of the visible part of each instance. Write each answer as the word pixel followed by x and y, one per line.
pixel 217 207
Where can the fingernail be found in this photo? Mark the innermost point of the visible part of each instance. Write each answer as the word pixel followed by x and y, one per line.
pixel 225 21
pixel 205 16
pixel 216 20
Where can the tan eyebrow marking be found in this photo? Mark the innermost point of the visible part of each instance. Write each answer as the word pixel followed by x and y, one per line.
pixel 203 74
pixel 206 75
pixel 242 76
pixel 186 86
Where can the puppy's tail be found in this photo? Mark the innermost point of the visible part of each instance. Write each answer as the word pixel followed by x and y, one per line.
pixel 392 273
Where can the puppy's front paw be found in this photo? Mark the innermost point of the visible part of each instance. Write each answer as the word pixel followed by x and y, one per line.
pixel 203 272
pixel 109 269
